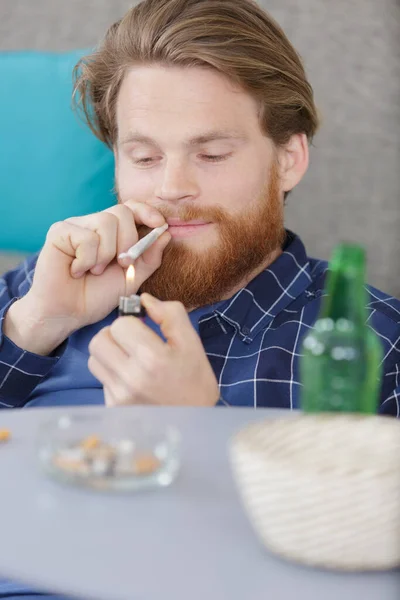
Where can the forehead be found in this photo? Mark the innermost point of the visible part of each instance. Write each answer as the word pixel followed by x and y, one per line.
pixel 191 98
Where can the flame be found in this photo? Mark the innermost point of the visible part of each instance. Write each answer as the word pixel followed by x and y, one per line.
pixel 130 275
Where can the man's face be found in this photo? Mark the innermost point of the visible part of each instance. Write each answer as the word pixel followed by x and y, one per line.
pixel 190 144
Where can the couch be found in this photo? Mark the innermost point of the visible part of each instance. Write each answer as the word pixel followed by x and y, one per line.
pixel 351 50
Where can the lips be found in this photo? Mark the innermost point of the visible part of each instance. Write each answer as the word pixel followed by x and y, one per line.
pixel 179 223
pixel 183 229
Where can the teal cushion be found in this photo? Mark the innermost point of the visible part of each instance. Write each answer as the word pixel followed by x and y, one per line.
pixel 52 166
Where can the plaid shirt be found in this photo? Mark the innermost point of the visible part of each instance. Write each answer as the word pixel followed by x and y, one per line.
pixel 253 341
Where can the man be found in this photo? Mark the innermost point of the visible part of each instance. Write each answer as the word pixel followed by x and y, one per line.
pixel 209 113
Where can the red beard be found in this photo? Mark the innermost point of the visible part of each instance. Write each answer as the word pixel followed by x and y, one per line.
pixel 245 243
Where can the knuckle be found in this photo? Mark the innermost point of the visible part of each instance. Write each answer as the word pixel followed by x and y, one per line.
pixel 56 228
pixel 97 341
pixel 121 393
pixel 136 382
pixel 154 363
pixel 93 367
pixel 73 220
pixel 142 208
pixel 90 238
pixel 131 205
pixel 106 219
pixel 117 326
pixel 120 326
pixel 91 364
pixel 93 345
pixel 57 225
pixel 123 211
pixel 126 220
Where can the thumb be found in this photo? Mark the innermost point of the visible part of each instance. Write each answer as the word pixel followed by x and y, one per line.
pixel 173 320
pixel 150 260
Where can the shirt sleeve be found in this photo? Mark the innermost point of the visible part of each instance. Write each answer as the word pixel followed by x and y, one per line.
pixel 384 320
pixel 20 371
pixel 391 392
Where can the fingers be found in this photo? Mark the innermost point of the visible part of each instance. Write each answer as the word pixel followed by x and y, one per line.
pixel 144 214
pixel 78 243
pixel 153 255
pixel 108 362
pixel 95 240
pixel 130 215
pixel 173 320
pixel 105 225
pixel 120 355
pixel 151 260
pixel 136 339
pixel 145 369
pixel 115 391
pixel 103 348
pixel 109 398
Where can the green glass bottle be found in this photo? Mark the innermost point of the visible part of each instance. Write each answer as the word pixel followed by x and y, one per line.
pixel 340 367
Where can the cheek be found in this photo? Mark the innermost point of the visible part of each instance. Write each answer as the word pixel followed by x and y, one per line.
pixel 133 184
pixel 238 189
pixel 238 183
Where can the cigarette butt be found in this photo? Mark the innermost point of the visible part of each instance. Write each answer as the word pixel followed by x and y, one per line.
pixel 91 442
pixel 5 435
pixel 146 464
pixel 71 465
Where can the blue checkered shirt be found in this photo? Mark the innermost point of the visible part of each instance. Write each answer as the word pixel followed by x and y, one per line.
pixel 253 341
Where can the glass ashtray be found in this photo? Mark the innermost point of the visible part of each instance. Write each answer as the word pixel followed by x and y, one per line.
pixel 109 451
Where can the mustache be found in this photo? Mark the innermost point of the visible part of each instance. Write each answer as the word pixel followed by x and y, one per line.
pixel 216 214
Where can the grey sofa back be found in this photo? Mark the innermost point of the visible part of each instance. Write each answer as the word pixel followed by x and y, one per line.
pixel 351 49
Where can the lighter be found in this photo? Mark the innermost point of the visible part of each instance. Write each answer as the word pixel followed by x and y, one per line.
pixel 130 305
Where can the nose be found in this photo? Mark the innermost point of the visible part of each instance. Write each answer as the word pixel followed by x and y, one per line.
pixel 176 182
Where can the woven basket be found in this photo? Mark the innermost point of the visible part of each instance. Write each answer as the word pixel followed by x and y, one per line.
pixel 323 490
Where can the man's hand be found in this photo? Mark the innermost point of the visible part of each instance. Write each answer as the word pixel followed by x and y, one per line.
pixel 78 277
pixel 136 366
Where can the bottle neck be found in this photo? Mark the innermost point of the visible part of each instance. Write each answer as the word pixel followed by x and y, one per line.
pixel 345 287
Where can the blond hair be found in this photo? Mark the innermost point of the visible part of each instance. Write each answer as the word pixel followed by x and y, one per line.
pixel 235 37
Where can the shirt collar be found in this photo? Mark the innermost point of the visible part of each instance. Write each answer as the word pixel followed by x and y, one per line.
pixel 254 306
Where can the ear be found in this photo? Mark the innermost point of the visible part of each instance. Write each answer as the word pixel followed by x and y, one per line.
pixel 293 159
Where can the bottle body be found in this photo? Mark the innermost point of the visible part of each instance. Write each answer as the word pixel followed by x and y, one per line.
pixel 340 369
pixel 341 355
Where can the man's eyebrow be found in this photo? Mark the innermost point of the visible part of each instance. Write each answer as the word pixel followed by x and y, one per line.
pixel 132 137
pixel 211 136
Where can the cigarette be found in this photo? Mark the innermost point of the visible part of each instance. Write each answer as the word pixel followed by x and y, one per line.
pixel 141 246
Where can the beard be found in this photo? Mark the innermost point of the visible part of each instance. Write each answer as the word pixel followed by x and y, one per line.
pixel 245 243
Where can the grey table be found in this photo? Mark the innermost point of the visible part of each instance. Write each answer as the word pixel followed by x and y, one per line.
pixel 191 541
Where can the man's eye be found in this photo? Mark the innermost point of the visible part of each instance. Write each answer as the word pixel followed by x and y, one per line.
pixel 144 161
pixel 215 157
